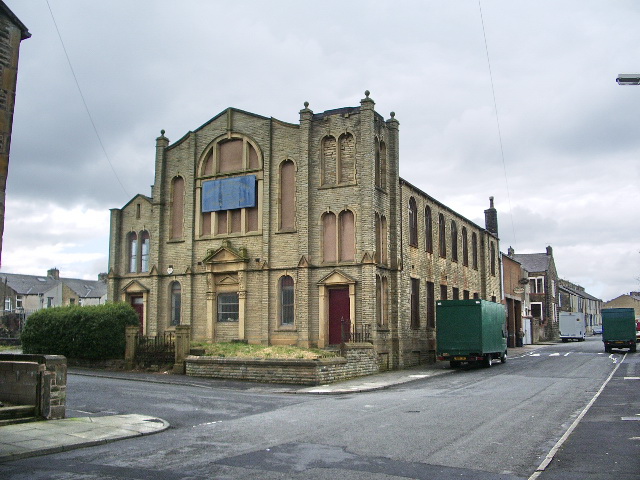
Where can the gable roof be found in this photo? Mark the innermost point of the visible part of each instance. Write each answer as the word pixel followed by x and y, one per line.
pixel 86 288
pixel 39 284
pixel 533 262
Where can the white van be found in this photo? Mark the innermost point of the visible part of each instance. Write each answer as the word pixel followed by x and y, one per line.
pixel 572 326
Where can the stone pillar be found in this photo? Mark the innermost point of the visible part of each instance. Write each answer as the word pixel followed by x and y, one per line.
pixel 131 335
pixel 183 345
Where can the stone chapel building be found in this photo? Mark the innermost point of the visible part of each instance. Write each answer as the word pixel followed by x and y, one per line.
pixel 297 234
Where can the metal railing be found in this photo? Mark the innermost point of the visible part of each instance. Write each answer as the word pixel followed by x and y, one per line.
pixel 158 350
pixel 355 332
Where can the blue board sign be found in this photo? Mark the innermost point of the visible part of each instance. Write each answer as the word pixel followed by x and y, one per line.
pixel 229 193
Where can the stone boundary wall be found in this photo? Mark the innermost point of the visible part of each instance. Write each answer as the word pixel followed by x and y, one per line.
pixel 39 380
pixel 357 360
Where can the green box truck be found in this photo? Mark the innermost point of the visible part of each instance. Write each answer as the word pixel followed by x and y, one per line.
pixel 471 331
pixel 619 328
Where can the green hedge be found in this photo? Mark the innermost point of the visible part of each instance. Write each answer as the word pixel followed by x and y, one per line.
pixel 92 333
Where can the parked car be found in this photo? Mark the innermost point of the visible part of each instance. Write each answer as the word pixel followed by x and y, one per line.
pixel 597 329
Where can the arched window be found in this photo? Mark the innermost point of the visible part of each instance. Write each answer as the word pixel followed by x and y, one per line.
pixel 493 258
pixel 132 247
pixel 346 238
pixel 230 155
pixel 442 236
pixel 176 303
pixel 287 195
pixel 378 228
pixel 347 158
pixel 428 230
pixel 329 237
pixel 383 166
pixel 144 251
pixel 377 164
pixel 454 241
pixel 465 247
pixel 177 207
pixel 329 160
pixel 383 240
pixel 413 222
pixel 287 300
pixel 474 250
pixel 381 301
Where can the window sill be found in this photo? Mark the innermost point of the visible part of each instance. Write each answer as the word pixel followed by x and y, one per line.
pixel 338 185
pixel 287 230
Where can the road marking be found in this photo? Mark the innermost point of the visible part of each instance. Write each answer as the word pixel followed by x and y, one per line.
pixel 630 418
pixel 547 460
pixel 534 355
pixel 554 354
pixel 567 354
pixel 632 378
pixel 207 423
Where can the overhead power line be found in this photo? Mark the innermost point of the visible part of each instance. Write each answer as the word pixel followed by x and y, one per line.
pixel 84 102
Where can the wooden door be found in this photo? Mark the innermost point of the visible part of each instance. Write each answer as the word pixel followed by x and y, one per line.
pixel 339 315
pixel 137 302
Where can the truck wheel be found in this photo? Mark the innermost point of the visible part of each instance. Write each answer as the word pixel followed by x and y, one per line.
pixel 454 363
pixel 633 348
pixel 487 360
pixel 565 340
pixel 503 357
pixel 607 349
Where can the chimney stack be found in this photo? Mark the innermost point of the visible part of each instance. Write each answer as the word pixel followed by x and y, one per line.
pixel 491 218
pixel 549 251
pixel 53 273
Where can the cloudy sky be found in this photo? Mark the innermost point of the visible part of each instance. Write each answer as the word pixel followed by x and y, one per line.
pixel 564 169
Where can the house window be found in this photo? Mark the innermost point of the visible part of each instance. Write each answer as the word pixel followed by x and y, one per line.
pixel 19 301
pixel 431 305
pixel 465 294
pixel 474 250
pixel 536 285
pixel 72 301
pixel 7 304
pixel 228 307
pixel 49 302
pixel 415 303
pixel 454 241
pixel 428 230
pixel 287 297
pixel 536 310
pixel 381 300
pixel 443 292
pixel 132 243
pixel 476 296
pixel 176 303
pixel 442 236
pixel 465 247
pixel 455 293
pixel 144 251
pixel 287 195
pixel 177 207
pixel 413 222
pixel 381 239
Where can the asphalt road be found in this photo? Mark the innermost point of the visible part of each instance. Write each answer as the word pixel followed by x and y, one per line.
pixel 476 424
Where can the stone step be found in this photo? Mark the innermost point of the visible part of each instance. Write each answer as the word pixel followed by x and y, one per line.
pixel 17 412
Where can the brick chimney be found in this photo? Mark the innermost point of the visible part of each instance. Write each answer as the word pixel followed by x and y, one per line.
pixel 510 252
pixel 549 251
pixel 53 273
pixel 491 218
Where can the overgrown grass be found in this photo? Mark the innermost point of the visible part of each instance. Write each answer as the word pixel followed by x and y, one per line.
pixel 12 348
pixel 239 349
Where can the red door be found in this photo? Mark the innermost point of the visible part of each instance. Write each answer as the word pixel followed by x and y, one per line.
pixel 339 314
pixel 137 303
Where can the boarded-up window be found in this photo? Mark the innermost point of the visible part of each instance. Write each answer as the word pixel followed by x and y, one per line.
pixel 347 237
pixel 208 164
pixel 454 241
pixel 287 195
pixel 474 250
pixel 442 237
pixel 329 161
pixel 287 297
pixel 206 223
pixel 465 247
pixel 347 158
pixel 378 228
pixel 383 240
pixel 431 305
pixel 230 155
pixel 177 207
pixel 428 230
pixel 176 303
pixel 329 237
pixel 415 303
pixel 443 292
pixel 413 222
pixel 383 165
pixel 253 160
pixel 222 223
pixel 236 221
pixel 252 219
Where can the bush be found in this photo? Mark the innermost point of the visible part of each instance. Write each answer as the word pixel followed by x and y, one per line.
pixel 92 333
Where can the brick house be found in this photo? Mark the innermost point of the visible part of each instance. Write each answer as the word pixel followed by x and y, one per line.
pixel 515 281
pixel 296 234
pixel 543 292
pixel 632 300
pixel 573 298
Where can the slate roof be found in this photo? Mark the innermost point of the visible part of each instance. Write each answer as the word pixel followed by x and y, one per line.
pixel 533 262
pixel 35 284
pixel 580 293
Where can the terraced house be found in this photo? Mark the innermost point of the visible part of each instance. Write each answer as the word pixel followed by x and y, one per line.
pixel 301 234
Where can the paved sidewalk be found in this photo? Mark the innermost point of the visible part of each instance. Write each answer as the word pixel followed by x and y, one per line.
pixel 52 436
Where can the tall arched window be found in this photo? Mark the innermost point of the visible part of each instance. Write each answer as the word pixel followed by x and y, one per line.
pixel 442 236
pixel 381 301
pixel 474 250
pixel 329 237
pixel 383 240
pixel 383 166
pixel 346 238
pixel 287 195
pixel 454 241
pixel 493 258
pixel 132 247
pixel 347 158
pixel 377 164
pixel 176 303
pixel 287 300
pixel 378 228
pixel 144 251
pixel 413 222
pixel 329 160
pixel 465 247
pixel 428 230
pixel 177 207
